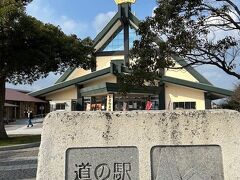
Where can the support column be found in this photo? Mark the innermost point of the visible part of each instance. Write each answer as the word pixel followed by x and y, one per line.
pixel 80 99
pixel 3 134
pixel 208 101
pixel 124 10
pixel 126 44
pixel 162 96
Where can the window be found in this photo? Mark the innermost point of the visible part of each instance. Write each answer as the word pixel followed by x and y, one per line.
pixel 52 108
pixel 132 37
pixel 184 105
pixel 116 43
pixel 60 106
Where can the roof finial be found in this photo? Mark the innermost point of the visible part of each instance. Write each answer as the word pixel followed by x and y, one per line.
pixel 124 1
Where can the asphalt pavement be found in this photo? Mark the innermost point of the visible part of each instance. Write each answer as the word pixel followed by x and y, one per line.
pixel 19 164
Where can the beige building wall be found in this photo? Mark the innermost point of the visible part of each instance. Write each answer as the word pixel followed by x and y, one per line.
pixel 65 94
pixel 180 74
pixel 110 79
pixel 78 72
pixel 176 93
pixel 104 61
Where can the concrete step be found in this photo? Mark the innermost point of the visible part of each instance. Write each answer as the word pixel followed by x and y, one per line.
pixel 17 162
pixel 19 153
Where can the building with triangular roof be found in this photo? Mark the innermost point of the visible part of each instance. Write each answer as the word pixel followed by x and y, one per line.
pixel 98 89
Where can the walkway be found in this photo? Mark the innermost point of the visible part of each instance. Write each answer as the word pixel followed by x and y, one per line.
pixel 19 164
pixel 20 127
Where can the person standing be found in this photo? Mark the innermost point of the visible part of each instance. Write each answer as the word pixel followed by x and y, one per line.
pixel 30 117
pixel 148 104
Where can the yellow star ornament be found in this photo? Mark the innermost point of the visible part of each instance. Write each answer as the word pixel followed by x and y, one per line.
pixel 124 1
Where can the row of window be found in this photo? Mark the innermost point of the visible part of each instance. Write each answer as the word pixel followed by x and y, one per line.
pixel 184 105
pixel 59 106
pixel 176 105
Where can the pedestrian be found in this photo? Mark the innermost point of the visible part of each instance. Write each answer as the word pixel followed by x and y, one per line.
pixel 30 117
pixel 148 105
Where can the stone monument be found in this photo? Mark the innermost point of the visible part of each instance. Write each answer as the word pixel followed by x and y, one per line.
pixel 140 145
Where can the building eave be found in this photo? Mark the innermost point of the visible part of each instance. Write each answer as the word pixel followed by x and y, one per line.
pixel 134 19
pixel 65 75
pixel 105 30
pixel 199 86
pixel 71 82
pixel 191 70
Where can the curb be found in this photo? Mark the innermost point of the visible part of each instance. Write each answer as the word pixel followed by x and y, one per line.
pixel 21 146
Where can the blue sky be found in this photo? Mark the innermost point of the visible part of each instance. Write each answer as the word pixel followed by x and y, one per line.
pixel 87 18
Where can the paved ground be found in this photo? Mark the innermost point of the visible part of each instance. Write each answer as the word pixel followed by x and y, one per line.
pixel 18 164
pixel 20 127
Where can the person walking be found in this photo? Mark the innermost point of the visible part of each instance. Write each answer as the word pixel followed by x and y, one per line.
pixel 30 117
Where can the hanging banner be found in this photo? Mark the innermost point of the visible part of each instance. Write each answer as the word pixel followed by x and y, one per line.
pixel 110 102
pixel 124 1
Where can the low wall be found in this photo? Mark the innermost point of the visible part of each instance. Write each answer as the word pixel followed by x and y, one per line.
pixel 202 141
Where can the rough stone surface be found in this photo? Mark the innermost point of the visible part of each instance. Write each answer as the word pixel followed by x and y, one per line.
pixel 142 129
pixel 187 163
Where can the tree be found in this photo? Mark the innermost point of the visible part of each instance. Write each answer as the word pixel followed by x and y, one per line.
pixel 199 31
pixel 30 49
pixel 234 101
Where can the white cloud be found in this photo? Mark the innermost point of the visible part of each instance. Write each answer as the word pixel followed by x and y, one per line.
pixel 153 11
pixel 44 12
pixel 41 11
pixel 218 33
pixel 70 26
pixel 216 76
pixel 101 20
pixel 42 83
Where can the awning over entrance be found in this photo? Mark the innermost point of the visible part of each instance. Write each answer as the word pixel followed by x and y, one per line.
pixel 116 88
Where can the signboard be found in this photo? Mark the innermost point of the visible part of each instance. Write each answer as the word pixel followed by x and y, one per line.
pixel 124 1
pixel 187 163
pixel 110 98
pixel 102 163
